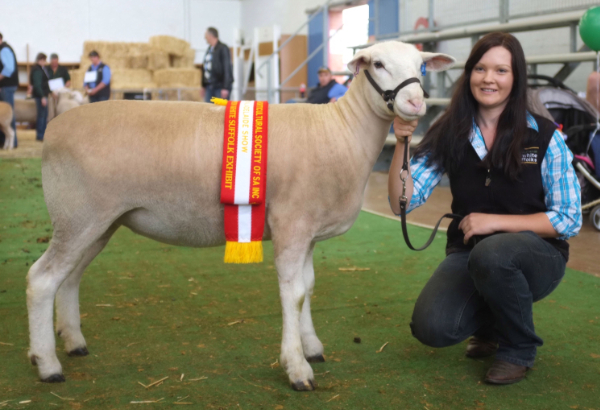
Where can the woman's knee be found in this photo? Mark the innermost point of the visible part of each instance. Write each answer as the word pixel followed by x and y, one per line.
pixel 431 330
pixel 490 257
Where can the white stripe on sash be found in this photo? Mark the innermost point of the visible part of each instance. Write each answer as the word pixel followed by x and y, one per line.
pixel 244 154
pixel 244 223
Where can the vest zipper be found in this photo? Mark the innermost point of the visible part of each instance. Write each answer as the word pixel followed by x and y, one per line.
pixel 488 179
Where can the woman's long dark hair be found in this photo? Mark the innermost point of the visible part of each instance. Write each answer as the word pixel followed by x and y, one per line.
pixel 445 140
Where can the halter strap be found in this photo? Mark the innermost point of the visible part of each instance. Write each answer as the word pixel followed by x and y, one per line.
pixel 389 96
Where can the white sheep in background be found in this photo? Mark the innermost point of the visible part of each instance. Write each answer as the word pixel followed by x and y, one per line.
pixel 6 116
pixel 64 100
pixel 155 167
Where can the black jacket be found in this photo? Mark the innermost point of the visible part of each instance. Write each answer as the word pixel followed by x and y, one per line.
pixel 39 81
pixel 476 189
pixel 221 72
pixel 320 95
pixel 13 80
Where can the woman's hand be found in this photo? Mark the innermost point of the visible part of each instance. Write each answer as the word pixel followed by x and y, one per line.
pixel 478 224
pixel 404 129
pixel 44 101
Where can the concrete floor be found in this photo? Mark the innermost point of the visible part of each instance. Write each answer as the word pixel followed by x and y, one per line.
pixel 585 247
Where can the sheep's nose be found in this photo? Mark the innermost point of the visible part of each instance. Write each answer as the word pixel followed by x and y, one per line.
pixel 417 103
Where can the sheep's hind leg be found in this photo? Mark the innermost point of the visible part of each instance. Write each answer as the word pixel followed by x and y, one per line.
pixel 289 259
pixel 43 280
pixel 311 345
pixel 68 322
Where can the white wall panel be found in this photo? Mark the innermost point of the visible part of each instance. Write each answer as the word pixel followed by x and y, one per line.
pixel 57 26
pixel 62 26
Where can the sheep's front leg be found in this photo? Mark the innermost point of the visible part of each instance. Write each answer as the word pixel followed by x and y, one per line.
pixel 312 346
pixel 290 263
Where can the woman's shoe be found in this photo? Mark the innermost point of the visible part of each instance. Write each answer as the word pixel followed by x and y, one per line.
pixel 478 348
pixel 503 372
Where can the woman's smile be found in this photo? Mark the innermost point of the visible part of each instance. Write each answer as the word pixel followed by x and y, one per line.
pixel 492 78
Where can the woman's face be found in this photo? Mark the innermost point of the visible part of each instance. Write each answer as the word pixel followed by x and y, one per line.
pixel 492 78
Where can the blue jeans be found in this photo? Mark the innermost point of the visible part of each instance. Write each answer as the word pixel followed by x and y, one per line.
pixel 98 98
pixel 210 91
pixel 489 292
pixel 7 94
pixel 41 119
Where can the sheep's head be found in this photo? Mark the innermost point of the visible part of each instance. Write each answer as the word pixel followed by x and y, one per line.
pixel 390 64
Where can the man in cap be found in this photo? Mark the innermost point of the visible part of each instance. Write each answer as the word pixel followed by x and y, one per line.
pixel 328 90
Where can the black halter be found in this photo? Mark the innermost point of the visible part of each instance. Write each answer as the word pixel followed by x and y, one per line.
pixel 390 95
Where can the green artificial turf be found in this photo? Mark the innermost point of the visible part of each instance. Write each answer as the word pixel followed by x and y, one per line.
pixel 177 311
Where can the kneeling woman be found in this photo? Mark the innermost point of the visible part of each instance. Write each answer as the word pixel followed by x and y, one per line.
pixel 512 181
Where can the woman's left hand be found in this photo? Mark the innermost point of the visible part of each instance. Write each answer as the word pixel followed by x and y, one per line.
pixel 478 224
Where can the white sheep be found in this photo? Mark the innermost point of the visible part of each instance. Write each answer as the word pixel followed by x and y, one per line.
pixel 155 167
pixel 6 116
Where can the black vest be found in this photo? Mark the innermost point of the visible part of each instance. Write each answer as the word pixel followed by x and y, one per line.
pixel 502 195
pixel 105 92
pixel 13 80
pixel 320 94
pixel 45 86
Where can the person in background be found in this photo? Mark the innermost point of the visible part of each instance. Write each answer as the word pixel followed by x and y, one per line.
pixel 98 89
pixel 328 90
pixel 9 81
pixel 217 73
pixel 40 91
pixel 56 70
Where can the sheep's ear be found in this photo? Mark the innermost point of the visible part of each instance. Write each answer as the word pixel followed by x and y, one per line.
pixel 437 61
pixel 363 57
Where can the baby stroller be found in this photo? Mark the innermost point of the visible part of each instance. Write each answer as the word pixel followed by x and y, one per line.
pixel 577 118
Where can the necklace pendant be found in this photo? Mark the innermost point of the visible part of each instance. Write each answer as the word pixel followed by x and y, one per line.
pixel 488 181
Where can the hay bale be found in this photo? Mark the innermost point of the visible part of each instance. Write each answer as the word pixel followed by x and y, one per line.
pixel 132 78
pixel 137 62
pixel 177 77
pixel 77 78
pixel 185 61
pixel 158 59
pixel 171 45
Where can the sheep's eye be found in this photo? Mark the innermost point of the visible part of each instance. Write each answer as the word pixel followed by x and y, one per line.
pixel 378 64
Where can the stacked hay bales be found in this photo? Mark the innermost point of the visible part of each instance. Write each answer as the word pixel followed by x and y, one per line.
pixel 165 61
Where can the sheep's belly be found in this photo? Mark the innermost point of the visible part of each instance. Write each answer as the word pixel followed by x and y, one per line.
pixel 182 229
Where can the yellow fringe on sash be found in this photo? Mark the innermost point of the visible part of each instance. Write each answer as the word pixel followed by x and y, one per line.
pixel 218 101
pixel 244 252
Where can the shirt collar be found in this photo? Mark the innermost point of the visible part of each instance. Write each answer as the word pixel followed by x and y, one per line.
pixel 478 143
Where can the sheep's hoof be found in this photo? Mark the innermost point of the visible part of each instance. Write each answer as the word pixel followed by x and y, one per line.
pixel 306 385
pixel 81 351
pixel 316 359
pixel 55 378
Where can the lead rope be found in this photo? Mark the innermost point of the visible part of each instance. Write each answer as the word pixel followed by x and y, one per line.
pixel 403 202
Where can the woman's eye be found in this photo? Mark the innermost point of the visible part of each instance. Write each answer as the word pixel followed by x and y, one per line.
pixel 478 69
pixel 502 70
pixel 378 64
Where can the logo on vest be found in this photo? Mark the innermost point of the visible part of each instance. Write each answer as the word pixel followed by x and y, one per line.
pixel 530 156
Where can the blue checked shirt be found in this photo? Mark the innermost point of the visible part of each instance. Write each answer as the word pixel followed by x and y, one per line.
pixel 560 184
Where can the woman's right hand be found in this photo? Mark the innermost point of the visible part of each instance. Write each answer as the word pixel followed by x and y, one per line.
pixel 404 129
